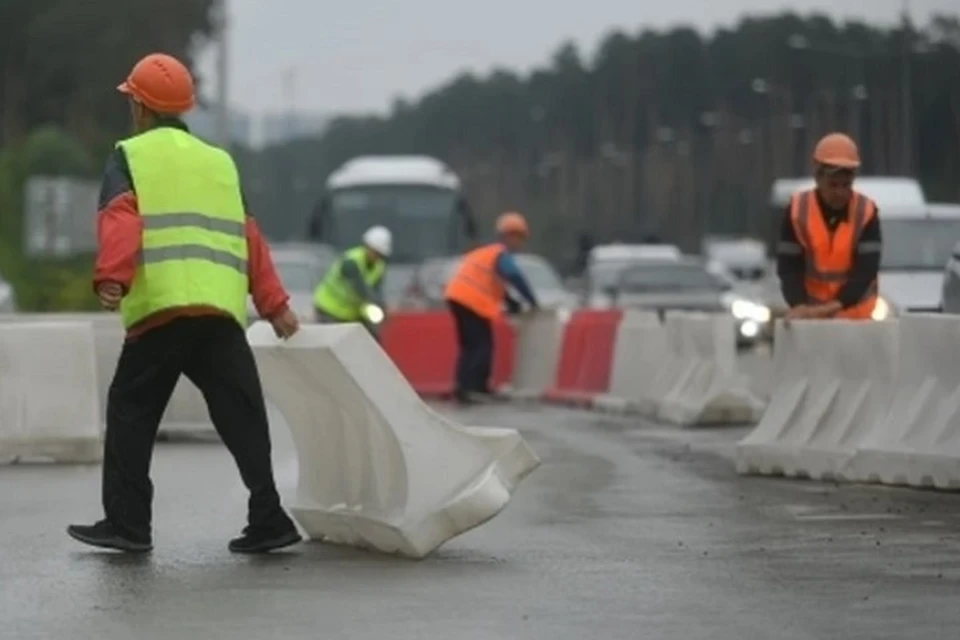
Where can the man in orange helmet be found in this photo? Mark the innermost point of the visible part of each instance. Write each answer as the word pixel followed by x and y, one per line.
pixel 178 255
pixel 829 252
pixel 476 295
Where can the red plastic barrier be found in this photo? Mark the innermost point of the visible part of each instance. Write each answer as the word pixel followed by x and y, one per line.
pixel 586 356
pixel 423 344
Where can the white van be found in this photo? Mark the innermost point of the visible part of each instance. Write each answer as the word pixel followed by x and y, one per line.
pixel 918 238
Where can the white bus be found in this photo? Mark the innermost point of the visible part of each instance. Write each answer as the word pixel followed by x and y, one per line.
pixel 918 238
pixel 420 199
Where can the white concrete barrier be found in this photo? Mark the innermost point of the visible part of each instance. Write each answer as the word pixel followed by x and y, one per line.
pixel 377 467
pixel 709 389
pixel 539 337
pixel 186 413
pixel 917 442
pixel 641 372
pixel 834 382
pixel 49 406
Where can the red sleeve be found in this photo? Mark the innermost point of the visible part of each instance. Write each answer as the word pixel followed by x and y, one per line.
pixel 119 230
pixel 269 296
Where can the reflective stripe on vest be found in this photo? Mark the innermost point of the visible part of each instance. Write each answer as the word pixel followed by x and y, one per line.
pixel 476 283
pixel 830 254
pixel 336 297
pixel 194 246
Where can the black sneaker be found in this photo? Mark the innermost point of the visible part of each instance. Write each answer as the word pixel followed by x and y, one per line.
pixel 462 398
pixel 104 535
pixel 253 541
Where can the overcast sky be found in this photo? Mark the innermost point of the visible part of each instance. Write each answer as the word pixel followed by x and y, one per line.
pixel 357 55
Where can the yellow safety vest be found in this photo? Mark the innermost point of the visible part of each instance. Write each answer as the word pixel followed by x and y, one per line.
pixel 336 297
pixel 194 246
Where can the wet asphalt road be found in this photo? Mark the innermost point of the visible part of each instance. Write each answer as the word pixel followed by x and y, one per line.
pixel 628 531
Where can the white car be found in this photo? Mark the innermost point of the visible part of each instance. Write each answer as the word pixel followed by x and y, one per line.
pixel 950 288
pixel 690 284
pixel 301 269
pixel 8 301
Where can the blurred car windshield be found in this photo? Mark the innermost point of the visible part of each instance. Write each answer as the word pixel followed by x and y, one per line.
pixel 918 244
pixel 660 278
pixel 603 274
pixel 539 273
pixel 299 275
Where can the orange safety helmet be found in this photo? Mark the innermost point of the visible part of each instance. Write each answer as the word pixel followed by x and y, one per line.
pixel 512 222
pixel 161 83
pixel 837 150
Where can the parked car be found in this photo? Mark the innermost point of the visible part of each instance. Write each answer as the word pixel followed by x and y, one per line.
pixel 690 284
pixel 8 301
pixel 425 288
pixel 950 288
pixel 300 267
pixel 607 261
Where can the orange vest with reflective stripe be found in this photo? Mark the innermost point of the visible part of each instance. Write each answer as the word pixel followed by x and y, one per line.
pixel 829 254
pixel 476 284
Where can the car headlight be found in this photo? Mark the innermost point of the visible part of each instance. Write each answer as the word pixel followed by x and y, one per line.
pixel 882 310
pixel 747 310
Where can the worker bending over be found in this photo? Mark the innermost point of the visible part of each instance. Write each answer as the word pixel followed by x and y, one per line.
pixel 352 290
pixel 829 252
pixel 476 295
pixel 178 254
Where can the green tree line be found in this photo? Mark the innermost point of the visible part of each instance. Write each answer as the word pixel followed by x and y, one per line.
pixel 60 63
pixel 676 133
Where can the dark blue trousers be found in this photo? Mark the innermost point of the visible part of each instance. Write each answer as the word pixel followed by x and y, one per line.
pixel 475 342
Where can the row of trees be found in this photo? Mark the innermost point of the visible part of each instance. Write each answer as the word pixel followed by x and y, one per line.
pixel 60 61
pixel 672 132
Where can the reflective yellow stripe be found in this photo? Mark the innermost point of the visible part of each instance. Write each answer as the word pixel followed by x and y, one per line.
pixel 193 252
pixel 156 221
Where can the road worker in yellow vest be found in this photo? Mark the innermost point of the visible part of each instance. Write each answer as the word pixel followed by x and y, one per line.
pixel 352 290
pixel 178 254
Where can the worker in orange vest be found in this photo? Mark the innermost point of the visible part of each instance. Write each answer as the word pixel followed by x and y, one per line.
pixel 829 252
pixel 476 295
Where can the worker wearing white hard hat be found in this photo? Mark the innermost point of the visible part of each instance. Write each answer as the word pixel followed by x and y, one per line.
pixel 352 289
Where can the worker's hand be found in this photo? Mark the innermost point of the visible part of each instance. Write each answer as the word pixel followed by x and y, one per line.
pixel 285 324
pixel 110 295
pixel 805 312
pixel 827 310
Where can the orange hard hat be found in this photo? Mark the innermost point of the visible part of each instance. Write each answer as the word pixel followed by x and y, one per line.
pixel 161 83
pixel 511 222
pixel 837 150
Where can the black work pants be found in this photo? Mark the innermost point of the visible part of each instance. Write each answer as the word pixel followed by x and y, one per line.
pixel 214 354
pixel 475 342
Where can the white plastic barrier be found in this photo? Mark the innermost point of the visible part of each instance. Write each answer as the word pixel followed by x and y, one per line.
pixel 918 442
pixel 538 343
pixel 834 382
pixel 641 372
pixel 49 406
pixel 377 467
pixel 187 411
pixel 709 389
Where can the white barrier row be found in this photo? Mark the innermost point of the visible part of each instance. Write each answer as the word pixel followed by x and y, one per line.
pixel 683 371
pixel 49 405
pixel 187 411
pixel 377 467
pixel 869 402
